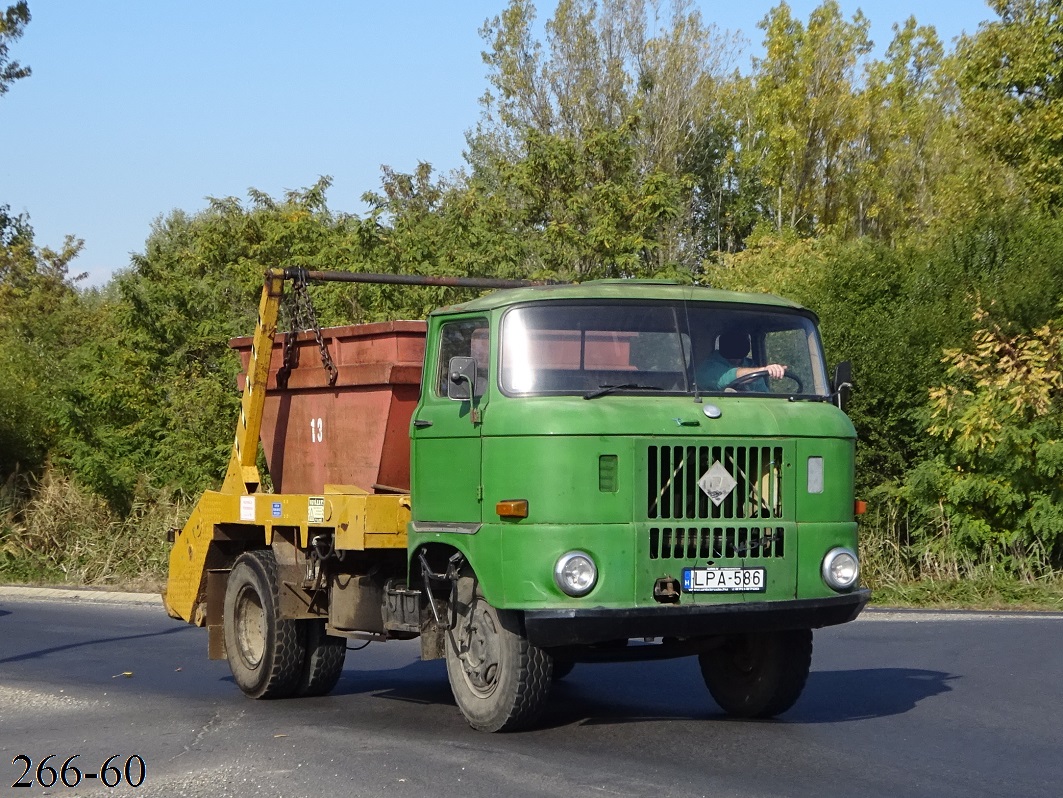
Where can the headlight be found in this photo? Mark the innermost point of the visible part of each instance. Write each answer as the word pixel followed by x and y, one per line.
pixel 841 569
pixel 575 573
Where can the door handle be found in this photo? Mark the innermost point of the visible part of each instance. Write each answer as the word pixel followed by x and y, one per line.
pixel 421 423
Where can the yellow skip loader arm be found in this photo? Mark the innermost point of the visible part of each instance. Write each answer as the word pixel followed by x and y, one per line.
pixel 239 517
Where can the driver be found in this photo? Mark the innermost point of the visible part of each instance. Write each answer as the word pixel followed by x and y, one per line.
pixel 731 361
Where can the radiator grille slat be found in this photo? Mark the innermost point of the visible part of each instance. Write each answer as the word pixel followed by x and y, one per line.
pixel 673 473
pixel 716 543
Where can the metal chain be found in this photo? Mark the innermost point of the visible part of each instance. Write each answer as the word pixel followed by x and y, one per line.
pixel 303 317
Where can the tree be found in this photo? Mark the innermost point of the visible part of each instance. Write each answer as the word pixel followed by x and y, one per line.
pixel 600 69
pixel 423 224
pixel 39 322
pixel 12 24
pixel 589 210
pixel 162 401
pixel 568 208
pixel 622 70
pixel 1010 77
pixel 804 115
pixel 903 149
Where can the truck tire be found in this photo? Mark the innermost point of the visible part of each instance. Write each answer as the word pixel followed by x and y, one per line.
pixel 758 675
pixel 500 681
pixel 266 654
pixel 324 660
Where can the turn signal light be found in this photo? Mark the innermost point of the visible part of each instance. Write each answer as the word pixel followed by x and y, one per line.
pixel 859 507
pixel 512 508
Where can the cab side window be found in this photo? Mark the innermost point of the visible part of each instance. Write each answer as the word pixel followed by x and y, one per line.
pixel 464 338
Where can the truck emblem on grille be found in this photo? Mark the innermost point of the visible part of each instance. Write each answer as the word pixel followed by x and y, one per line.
pixel 717 483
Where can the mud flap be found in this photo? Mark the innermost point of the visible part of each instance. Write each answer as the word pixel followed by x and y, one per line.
pixel 217 579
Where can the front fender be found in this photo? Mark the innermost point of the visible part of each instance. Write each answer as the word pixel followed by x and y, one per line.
pixel 479 545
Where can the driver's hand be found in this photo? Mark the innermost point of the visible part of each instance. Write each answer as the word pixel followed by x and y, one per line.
pixel 775 371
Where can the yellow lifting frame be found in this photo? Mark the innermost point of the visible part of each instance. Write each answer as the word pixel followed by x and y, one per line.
pixel 357 519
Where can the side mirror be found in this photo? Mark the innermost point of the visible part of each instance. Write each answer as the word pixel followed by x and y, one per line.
pixel 842 384
pixel 462 383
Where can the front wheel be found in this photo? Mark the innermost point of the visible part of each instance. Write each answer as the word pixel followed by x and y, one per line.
pixel 758 675
pixel 499 680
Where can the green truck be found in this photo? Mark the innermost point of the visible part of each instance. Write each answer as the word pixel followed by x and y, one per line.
pixel 606 471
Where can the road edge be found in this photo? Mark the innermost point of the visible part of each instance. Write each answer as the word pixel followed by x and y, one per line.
pixel 79 595
pixel 88 596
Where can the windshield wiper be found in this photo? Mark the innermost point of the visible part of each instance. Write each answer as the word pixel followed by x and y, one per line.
pixel 627 386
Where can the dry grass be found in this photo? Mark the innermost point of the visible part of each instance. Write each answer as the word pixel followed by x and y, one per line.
pixel 920 565
pixel 54 531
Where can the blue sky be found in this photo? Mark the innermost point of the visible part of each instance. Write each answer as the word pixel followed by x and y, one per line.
pixel 136 107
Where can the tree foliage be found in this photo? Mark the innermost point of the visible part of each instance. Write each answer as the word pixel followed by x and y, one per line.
pixel 587 210
pixel 12 25
pixel 896 195
pixel 999 479
pixel 602 66
pixel 196 286
pixel 41 319
pixel 805 114
pixel 623 94
pixel 898 164
pixel 1011 84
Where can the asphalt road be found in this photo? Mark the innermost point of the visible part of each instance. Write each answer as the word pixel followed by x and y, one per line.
pixel 898 704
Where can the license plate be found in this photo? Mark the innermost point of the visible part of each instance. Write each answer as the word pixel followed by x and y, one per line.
pixel 724 580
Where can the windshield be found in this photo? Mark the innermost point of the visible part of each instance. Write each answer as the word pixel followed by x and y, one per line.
pixel 599 348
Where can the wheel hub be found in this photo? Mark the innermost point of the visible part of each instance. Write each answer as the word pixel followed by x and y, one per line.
pixel 250 627
pixel 479 652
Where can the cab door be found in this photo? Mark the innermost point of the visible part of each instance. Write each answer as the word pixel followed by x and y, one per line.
pixel 445 432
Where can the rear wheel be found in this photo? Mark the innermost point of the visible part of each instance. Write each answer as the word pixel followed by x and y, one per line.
pixel 324 660
pixel 266 654
pixel 499 680
pixel 758 675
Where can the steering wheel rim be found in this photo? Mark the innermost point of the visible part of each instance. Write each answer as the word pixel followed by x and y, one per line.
pixel 753 376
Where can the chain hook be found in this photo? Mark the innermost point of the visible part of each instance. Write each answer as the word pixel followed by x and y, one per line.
pixel 303 317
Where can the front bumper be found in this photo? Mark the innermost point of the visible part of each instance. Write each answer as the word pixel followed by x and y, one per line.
pixel 571 627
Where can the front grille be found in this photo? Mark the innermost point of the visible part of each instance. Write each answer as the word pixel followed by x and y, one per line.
pixel 672 543
pixel 673 473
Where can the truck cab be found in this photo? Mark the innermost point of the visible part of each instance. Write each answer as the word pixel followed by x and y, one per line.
pixel 569 451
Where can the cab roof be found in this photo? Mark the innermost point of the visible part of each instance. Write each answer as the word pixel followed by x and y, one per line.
pixel 616 289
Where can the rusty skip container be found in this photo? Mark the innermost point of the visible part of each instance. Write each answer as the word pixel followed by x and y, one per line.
pixel 355 431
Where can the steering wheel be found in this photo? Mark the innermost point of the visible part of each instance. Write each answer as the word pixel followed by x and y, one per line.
pixel 739 383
